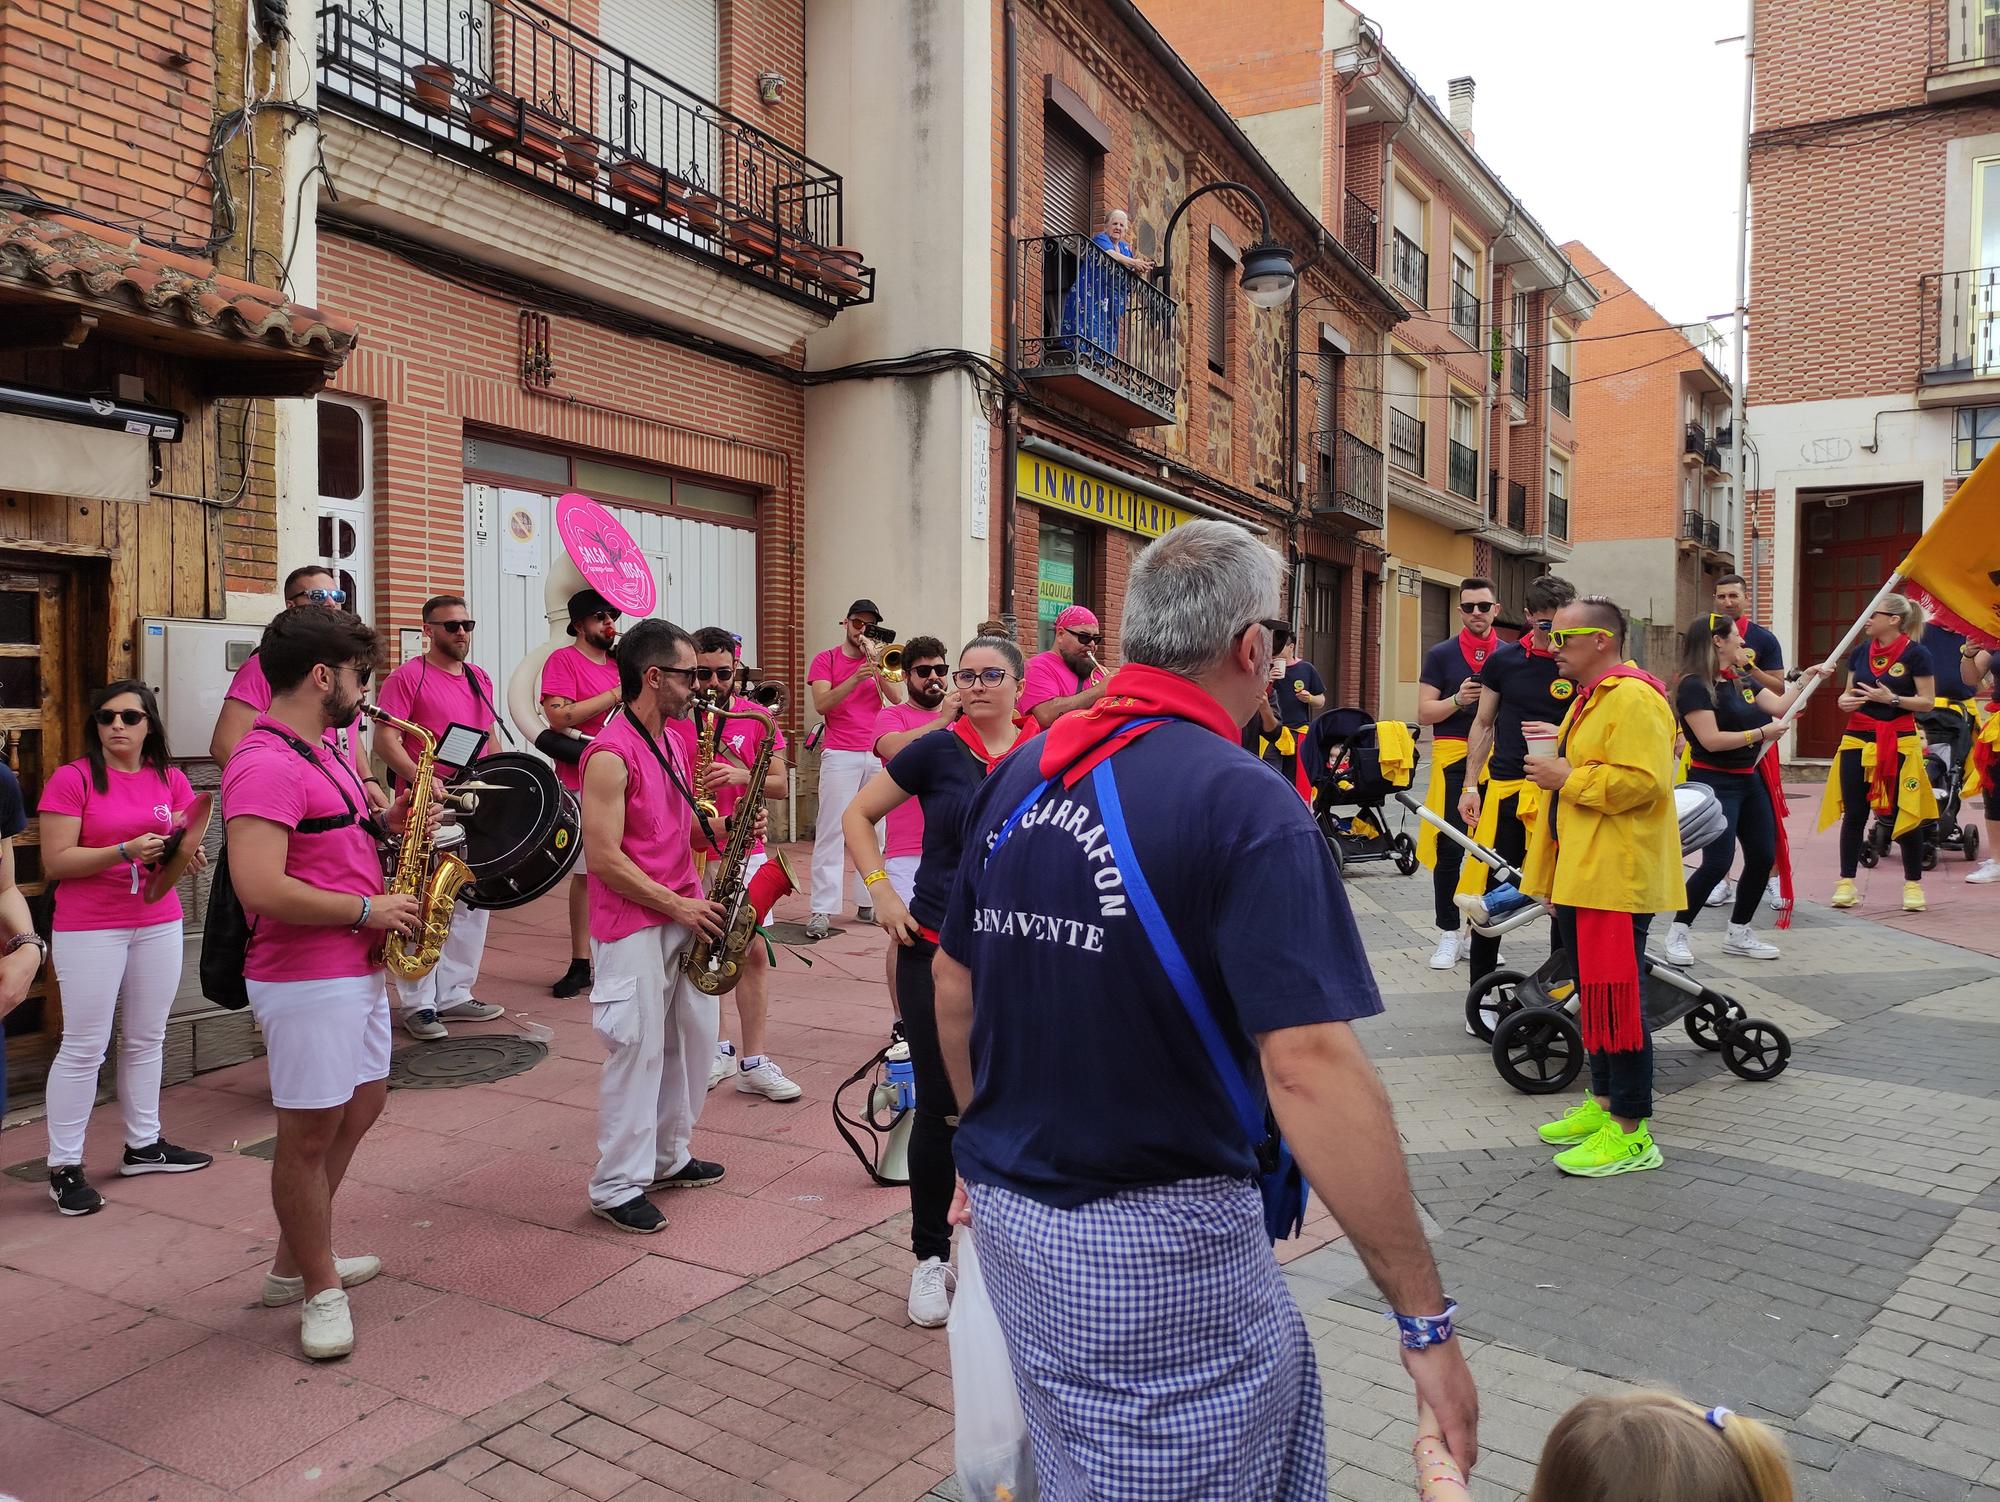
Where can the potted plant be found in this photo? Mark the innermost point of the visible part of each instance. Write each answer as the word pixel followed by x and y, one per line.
pixel 580 157
pixel 432 85
pixel 495 115
pixel 639 183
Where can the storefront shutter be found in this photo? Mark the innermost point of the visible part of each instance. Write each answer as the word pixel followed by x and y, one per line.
pixel 680 38
pixel 1065 182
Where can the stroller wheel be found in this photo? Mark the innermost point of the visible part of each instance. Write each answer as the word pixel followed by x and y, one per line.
pixel 1406 853
pixel 1495 997
pixel 1968 840
pixel 1756 1050
pixel 1930 857
pixel 1538 1050
pixel 1881 834
pixel 1869 855
pixel 1711 1019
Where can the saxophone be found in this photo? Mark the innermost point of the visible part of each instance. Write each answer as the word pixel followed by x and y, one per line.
pixel 434 878
pixel 709 714
pixel 715 965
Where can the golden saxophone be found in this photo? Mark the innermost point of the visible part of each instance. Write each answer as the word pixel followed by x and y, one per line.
pixel 708 735
pixel 433 877
pixel 715 965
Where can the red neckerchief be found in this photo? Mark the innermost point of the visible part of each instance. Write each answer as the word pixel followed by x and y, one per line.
pixel 1081 739
pixel 1475 649
pixel 1527 644
pixel 1607 968
pixel 1025 729
pixel 1878 663
pixel 1885 733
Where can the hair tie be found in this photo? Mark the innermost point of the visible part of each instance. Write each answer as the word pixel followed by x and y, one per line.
pixel 1717 1414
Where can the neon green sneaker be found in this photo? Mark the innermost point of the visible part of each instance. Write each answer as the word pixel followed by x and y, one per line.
pixel 1578 1122
pixel 1610 1150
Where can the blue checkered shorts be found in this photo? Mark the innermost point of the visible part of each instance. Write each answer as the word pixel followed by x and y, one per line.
pixel 1158 1353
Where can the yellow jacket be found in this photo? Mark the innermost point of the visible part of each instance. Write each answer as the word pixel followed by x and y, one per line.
pixel 1620 841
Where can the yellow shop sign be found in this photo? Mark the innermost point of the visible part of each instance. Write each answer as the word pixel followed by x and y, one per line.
pixel 1070 490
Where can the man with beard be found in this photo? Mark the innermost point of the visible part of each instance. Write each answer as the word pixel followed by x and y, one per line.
pixel 579 690
pixel 437 690
pixel 932 706
pixel 1767 667
pixel 1062 678
pixel 848 688
pixel 304 861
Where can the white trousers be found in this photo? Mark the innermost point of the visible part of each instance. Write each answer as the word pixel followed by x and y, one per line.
pixel 841 774
pixel 98 968
pixel 659 1036
pixel 452 978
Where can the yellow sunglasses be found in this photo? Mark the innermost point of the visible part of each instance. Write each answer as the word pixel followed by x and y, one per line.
pixel 1563 636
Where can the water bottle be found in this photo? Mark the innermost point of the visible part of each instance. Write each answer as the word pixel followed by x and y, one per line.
pixel 900 1076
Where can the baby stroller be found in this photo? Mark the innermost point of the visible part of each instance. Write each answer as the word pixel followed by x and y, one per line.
pixel 1530 1017
pixel 1345 758
pixel 1949 731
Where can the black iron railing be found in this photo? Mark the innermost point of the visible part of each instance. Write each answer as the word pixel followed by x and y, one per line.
pixel 1084 311
pixel 1517 506
pixel 1406 442
pixel 520 87
pixel 1465 314
pixel 1559 517
pixel 1694 440
pixel 1712 455
pixel 1691 526
pixel 1518 373
pixel 1350 480
pixel 1958 327
pixel 1559 390
pixel 1409 267
pixel 1361 230
pixel 1962 37
pixel 1711 534
pixel 1725 438
pixel 1461 469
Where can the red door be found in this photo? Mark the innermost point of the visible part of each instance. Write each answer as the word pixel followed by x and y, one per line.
pixel 1847 552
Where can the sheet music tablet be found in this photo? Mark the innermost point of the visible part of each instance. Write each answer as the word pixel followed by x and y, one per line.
pixel 459 746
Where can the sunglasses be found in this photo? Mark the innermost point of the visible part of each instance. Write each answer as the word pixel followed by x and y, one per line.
pixel 930 670
pixel 1482 607
pixel 121 716
pixel 453 626
pixel 1568 634
pixel 714 675
pixel 1088 638
pixel 991 677
pixel 686 675
pixel 362 673
pixel 319 597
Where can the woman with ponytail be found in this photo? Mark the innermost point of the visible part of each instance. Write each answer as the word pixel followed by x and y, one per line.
pixel 1656 1447
pixel 1879 765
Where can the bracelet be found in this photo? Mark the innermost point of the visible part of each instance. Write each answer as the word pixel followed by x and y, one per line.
pixel 121 852
pixel 1418 1332
pixel 1751 737
pixel 874 876
pixel 367 907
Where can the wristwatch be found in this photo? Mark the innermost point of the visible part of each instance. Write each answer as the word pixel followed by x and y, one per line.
pixel 1419 1332
pixel 28 938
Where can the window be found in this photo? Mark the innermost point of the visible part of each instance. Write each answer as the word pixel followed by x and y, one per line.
pixel 1065 180
pixel 1409 264
pixel 1558 507
pixel 1062 574
pixel 539 469
pixel 682 39
pixel 1221 278
pixel 1464 291
pixel 1406 423
pixel 1560 354
pixel 1520 320
pixel 1434 612
pixel 1462 468
pixel 345 525
pixel 1976 430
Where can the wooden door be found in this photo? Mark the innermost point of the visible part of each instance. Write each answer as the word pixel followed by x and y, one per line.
pixel 1319 625
pixel 1845 554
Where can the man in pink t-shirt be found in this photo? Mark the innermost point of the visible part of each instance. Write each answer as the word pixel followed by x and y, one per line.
pixel 437 690
pixel 579 689
pixel 848 691
pixel 1070 674
pixel 309 876
pixel 933 705
pixel 646 903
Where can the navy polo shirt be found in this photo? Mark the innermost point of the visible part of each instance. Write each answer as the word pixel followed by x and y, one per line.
pixel 1530 688
pixel 1444 669
pixel 1900 677
pixel 1760 640
pixel 1734 705
pixel 941 772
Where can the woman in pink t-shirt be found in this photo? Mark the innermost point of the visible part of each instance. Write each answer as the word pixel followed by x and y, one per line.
pixel 105 819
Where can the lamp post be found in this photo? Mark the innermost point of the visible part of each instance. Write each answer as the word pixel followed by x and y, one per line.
pixel 1269 270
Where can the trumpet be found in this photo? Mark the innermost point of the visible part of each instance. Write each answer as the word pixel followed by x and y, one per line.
pixel 767 693
pixel 890 664
pixel 1096 667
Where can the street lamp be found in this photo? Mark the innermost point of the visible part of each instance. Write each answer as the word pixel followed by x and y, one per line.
pixel 1269 271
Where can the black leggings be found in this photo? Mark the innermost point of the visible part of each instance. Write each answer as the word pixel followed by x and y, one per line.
pixel 1450 854
pixel 1854 821
pixel 1623 1080
pixel 932 1176
pixel 1510 843
pixel 1746 805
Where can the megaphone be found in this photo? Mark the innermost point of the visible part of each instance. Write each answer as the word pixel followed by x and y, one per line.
pixel 891 1113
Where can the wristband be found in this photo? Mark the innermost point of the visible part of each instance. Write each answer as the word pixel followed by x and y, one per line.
pixel 874 876
pixel 1418 1332
pixel 367 907
pixel 121 852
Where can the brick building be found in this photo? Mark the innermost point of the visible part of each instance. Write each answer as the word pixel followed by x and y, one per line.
pixel 1661 526
pixel 144 339
pixel 1480 436
pixel 1874 352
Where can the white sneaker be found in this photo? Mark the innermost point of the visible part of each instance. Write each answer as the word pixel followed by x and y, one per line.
pixel 1446 954
pixel 931 1283
pixel 352 1270
pixel 1986 871
pixel 1678 950
pixel 326 1329
pixel 1744 941
pixel 1774 896
pixel 1464 943
pixel 1724 893
pixel 723 1065
pixel 768 1080
pixel 819 925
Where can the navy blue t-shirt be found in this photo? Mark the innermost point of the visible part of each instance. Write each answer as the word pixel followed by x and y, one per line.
pixel 1734 705
pixel 1444 670
pixel 13 812
pixel 940 771
pixel 1530 688
pixel 1764 644
pixel 1949 668
pixel 1292 710
pixel 1900 677
pixel 1066 985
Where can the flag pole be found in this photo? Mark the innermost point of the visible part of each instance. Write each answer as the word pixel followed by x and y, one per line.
pixel 1839 654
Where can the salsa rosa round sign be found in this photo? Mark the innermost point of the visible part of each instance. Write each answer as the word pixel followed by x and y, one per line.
pixel 605 553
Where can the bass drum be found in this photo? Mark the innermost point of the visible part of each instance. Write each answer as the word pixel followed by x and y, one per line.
pixel 522 840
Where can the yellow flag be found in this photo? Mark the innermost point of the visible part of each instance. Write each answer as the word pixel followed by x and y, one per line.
pixel 1955 566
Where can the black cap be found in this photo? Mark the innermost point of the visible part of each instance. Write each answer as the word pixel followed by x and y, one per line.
pixel 584 604
pixel 866 607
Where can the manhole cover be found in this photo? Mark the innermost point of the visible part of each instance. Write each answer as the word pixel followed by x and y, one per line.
pixel 31 1172
pixel 795 933
pixel 463 1061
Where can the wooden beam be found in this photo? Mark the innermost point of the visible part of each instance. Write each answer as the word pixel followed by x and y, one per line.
pixel 48 328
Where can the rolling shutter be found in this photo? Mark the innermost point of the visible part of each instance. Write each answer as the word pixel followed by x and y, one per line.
pixel 1065 182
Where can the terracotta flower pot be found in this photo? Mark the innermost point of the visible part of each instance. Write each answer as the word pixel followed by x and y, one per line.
pixel 639 183
pixel 495 115
pixel 431 84
pixel 580 157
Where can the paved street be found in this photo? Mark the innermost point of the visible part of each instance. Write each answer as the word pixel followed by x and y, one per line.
pixel 1822 1250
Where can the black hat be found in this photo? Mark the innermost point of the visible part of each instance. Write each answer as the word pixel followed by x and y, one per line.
pixel 866 607
pixel 584 604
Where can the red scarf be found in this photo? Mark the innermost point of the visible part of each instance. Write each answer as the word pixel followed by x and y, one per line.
pixel 1081 739
pixel 1774 784
pixel 1613 1020
pixel 1885 733
pixel 1475 649
pixel 1025 729
pixel 1527 644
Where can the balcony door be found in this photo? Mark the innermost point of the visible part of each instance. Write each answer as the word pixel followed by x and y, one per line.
pixel 670 118
pixel 1980 299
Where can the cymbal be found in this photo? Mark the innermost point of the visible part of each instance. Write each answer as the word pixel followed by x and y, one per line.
pixel 182 844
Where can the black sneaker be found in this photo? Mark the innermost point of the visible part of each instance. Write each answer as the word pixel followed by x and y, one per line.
pixel 864 915
pixel 72 1192
pixel 636 1214
pixel 575 980
pixel 694 1174
pixel 162 1157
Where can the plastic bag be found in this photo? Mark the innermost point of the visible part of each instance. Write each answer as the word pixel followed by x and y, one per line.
pixel 990 1443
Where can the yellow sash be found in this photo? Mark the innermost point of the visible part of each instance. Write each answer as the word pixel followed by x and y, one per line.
pixel 1915 802
pixel 1396 750
pixel 1527 807
pixel 1989 735
pixel 1444 756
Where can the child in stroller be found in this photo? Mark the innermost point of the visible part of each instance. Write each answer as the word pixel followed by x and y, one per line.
pixel 1949 730
pixel 1343 751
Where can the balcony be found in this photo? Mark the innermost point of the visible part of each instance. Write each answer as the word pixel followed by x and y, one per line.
pixel 1559 390
pixel 1406 442
pixel 1558 519
pixel 1095 333
pixel 1461 470
pixel 1691 526
pixel 1360 230
pixel 1409 267
pixel 1465 315
pixel 1711 535
pixel 518 91
pixel 1517 506
pixel 1517 380
pixel 1349 490
pixel 1958 335
pixel 1693 442
pixel 1711 456
pixel 1964 51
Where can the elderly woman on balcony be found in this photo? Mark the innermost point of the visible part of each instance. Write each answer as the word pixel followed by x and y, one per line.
pixel 1095 304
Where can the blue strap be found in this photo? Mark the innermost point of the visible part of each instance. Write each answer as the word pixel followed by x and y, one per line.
pixel 1168 949
pixel 1035 793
